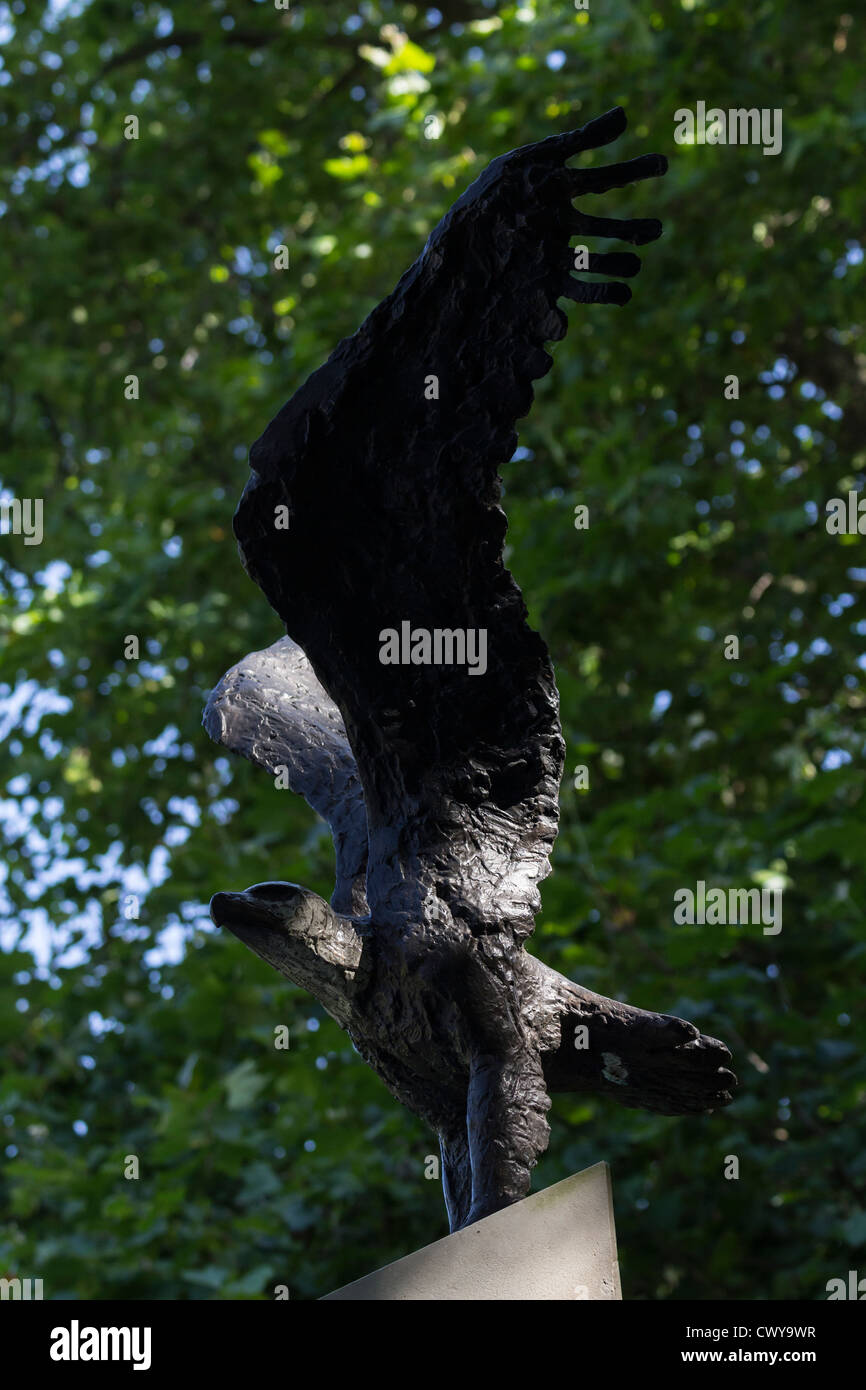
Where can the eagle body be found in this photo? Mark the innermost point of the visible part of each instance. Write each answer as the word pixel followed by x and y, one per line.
pixel 439 779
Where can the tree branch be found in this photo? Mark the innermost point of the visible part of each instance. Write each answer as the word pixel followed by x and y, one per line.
pixel 187 38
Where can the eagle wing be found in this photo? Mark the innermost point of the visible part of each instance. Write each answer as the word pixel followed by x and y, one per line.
pixel 271 709
pixel 387 460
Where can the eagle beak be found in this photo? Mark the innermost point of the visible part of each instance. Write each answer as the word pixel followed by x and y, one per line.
pixel 239 910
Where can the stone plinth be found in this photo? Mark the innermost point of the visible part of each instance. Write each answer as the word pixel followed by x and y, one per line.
pixel 557 1244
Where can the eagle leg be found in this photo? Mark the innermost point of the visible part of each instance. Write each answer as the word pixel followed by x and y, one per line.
pixel 456 1175
pixel 506 1127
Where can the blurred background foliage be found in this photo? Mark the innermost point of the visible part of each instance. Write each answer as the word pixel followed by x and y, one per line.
pixel 344 132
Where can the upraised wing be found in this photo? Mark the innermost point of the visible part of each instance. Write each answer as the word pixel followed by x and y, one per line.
pixel 272 710
pixel 387 459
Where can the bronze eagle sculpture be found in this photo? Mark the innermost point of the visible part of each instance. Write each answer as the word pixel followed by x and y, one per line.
pixel 439 777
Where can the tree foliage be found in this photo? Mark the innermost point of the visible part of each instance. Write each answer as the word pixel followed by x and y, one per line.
pixel 343 133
